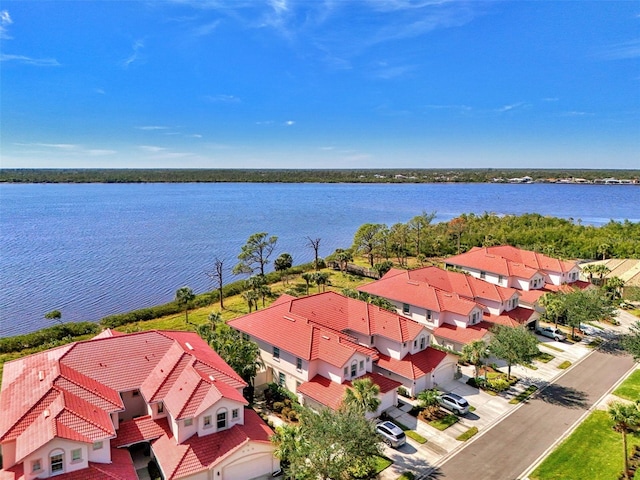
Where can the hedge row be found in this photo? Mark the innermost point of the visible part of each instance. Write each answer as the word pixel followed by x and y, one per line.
pixel 75 329
pixel 47 335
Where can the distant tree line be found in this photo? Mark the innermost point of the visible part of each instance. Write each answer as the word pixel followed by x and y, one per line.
pixel 396 175
pixel 556 237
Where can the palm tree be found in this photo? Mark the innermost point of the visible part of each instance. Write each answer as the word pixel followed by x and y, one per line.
pixel 184 296
pixel 321 279
pixel 626 417
pixel 615 286
pixel 287 440
pixel 590 270
pixel 308 278
pixel 554 308
pixel 214 318
pixel 363 395
pixel 251 297
pixel 474 353
pixel 602 270
pixel 428 400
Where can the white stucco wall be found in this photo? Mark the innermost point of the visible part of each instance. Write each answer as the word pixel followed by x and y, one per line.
pixel 56 445
pixel 223 405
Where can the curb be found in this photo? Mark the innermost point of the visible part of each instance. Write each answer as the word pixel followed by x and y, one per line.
pixel 525 475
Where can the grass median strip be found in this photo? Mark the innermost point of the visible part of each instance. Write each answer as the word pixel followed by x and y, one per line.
pixel 468 434
pixel 411 433
pixel 564 365
pixel 522 396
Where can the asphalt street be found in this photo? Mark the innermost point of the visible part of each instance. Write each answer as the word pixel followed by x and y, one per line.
pixel 508 449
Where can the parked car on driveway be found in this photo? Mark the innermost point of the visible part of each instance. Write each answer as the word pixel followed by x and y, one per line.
pixel 589 329
pixel 391 434
pixel 551 332
pixel 454 402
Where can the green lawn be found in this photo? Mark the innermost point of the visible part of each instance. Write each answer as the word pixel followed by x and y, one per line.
pixel 445 422
pixel 593 451
pixel 630 388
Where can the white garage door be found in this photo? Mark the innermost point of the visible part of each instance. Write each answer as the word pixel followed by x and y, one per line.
pixel 249 469
pixel 444 373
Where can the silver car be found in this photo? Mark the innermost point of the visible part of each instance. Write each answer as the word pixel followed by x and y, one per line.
pixel 454 402
pixel 551 332
pixel 391 434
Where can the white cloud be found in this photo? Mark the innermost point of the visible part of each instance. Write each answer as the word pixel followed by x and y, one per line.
pixel 5 19
pixel 137 46
pixel 69 149
pixel 206 29
pixel 620 51
pixel 289 123
pixel 36 62
pixel 221 98
pixel 509 107
pixel 151 148
pixel 100 91
pixel 152 127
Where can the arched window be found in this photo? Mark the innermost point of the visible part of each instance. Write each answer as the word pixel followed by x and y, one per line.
pixel 221 419
pixel 56 461
pixel 354 369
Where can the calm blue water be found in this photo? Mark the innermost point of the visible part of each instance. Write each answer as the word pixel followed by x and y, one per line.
pixel 91 250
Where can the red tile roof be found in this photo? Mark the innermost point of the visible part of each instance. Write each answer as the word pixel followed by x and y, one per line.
pixel 69 392
pixel 316 336
pixel 413 366
pixel 331 394
pixel 402 287
pixel 139 430
pixel 462 335
pixel 510 261
pixel 202 453
pixel 120 468
pixel 513 318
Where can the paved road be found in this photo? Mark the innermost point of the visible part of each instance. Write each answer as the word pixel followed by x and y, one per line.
pixel 509 448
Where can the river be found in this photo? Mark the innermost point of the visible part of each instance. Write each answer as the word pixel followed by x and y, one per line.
pixel 91 250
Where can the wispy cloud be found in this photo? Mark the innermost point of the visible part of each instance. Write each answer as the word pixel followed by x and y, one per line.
pixel 36 62
pixel 152 127
pixel 137 46
pixel 69 149
pixel 5 20
pixel 206 29
pixel 221 98
pixel 620 51
pixel 151 148
pixel 510 107
pixel 387 72
pixel 289 123
pixel 575 113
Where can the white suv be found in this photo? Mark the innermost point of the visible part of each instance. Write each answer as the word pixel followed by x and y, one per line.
pixel 391 434
pixel 454 402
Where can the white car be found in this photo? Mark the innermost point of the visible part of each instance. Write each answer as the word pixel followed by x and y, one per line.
pixel 551 332
pixel 589 329
pixel 391 434
pixel 454 402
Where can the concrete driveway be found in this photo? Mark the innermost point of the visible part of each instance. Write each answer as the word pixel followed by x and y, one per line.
pixel 489 409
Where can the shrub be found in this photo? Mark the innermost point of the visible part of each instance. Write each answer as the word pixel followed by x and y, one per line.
pixel 278 406
pixel 499 384
pixel 50 335
pixel 407 476
pixel 403 392
pixel 285 411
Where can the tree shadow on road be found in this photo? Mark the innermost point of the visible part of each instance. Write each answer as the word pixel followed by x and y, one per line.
pixel 434 474
pixel 612 344
pixel 563 396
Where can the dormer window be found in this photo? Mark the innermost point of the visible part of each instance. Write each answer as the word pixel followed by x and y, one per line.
pixel 483 275
pixel 56 461
pixel 160 407
pixel 500 279
pixel 276 353
pixel 221 419
pixel 428 314
pixel 405 308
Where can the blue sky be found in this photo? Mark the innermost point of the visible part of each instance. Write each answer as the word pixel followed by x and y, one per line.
pixel 320 84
